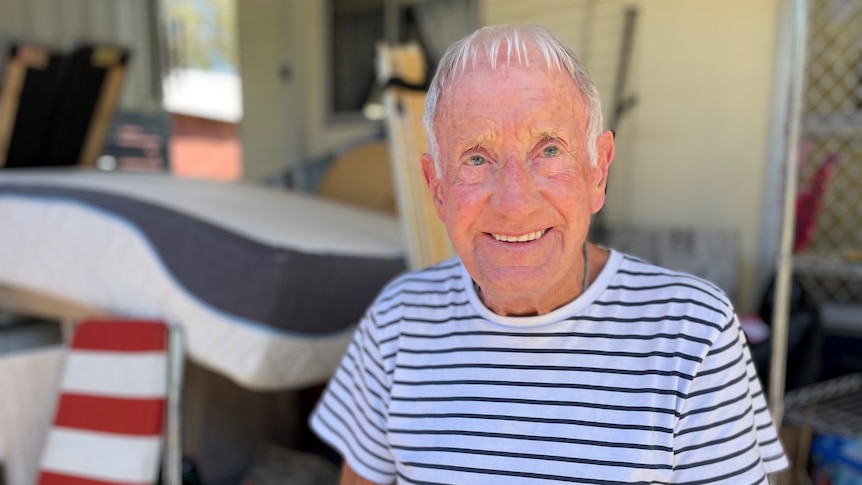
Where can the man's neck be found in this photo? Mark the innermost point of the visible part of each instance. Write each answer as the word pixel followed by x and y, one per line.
pixel 517 304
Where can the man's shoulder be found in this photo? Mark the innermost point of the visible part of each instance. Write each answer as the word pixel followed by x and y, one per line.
pixel 446 275
pixel 636 274
pixel 683 303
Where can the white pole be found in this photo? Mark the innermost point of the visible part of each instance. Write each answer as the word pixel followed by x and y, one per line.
pixel 781 310
pixel 173 436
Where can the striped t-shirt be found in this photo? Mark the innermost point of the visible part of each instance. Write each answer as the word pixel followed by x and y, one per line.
pixel 644 378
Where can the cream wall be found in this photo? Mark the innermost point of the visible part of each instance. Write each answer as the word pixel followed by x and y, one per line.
pixel 285 121
pixel 703 122
pixel 698 137
pixel 270 142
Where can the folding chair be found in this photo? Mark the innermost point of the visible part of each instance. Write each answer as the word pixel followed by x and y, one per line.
pixel 118 380
pixel 56 107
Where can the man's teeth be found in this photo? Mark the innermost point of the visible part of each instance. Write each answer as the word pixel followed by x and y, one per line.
pixel 522 238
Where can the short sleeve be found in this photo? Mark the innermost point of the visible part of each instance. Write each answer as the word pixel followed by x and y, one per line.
pixel 351 414
pixel 724 433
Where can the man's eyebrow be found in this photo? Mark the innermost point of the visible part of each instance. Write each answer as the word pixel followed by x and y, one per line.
pixel 545 135
pixel 477 142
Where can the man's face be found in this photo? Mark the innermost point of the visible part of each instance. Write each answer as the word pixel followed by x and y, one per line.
pixel 516 188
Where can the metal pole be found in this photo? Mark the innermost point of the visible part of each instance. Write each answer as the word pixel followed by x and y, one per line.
pixel 173 436
pixel 621 102
pixel 781 312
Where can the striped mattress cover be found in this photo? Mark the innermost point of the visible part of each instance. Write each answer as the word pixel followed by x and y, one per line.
pixel 267 284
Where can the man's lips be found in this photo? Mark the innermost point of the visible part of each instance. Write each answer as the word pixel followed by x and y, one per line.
pixel 527 237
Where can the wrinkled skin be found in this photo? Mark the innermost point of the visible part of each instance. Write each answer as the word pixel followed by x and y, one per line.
pixel 514 164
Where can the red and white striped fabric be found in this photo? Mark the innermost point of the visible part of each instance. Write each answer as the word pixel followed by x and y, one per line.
pixel 108 426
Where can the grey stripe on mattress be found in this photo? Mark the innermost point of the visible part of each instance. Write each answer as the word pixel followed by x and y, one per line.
pixel 287 289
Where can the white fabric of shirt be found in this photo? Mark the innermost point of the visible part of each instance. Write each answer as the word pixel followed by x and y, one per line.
pixel 644 378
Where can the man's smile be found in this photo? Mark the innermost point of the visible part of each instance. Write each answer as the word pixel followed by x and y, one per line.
pixel 530 236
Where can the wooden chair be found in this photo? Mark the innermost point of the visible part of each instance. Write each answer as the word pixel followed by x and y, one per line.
pixel 362 177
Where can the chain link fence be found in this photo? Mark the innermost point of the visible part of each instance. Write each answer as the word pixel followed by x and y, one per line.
pixel 829 205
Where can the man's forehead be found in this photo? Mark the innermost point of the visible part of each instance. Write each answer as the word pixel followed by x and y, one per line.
pixel 491 76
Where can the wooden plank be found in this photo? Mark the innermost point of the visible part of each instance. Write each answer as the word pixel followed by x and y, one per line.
pixel 10 95
pixel 425 235
pixel 23 58
pixel 103 112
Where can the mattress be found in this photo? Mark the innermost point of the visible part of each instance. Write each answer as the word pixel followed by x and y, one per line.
pixel 266 284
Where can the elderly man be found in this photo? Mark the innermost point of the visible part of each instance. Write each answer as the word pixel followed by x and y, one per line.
pixel 535 356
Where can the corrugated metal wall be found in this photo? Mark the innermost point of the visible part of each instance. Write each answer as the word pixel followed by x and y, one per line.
pixel 63 23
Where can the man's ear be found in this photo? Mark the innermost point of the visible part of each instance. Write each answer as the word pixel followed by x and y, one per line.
pixel 604 157
pixel 432 181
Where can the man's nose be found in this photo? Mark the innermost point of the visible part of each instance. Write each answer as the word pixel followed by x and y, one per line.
pixel 514 189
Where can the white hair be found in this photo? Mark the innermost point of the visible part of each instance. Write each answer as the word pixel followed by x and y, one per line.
pixel 516 41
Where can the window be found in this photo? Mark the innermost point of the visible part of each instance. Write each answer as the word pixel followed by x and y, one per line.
pixel 357 25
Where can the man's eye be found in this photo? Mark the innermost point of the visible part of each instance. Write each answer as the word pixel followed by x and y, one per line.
pixel 476 160
pixel 551 151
